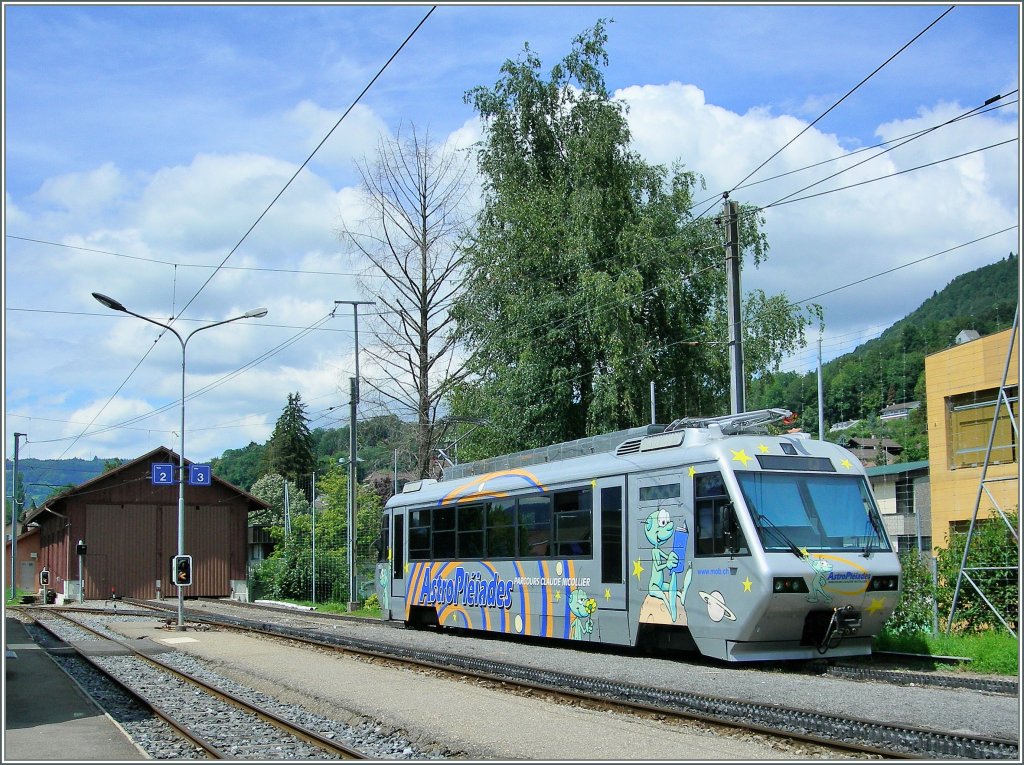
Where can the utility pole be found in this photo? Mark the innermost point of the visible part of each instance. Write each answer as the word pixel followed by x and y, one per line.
pixel 14 519
pixel 732 269
pixel 821 398
pixel 353 603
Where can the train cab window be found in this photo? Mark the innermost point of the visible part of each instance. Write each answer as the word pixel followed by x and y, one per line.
pixel 501 528
pixel 419 535
pixel 470 531
pixel 717 531
pixel 443 537
pixel 574 522
pixel 534 527
pixel 398 559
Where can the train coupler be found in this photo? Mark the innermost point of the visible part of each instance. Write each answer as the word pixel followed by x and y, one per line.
pixel 845 621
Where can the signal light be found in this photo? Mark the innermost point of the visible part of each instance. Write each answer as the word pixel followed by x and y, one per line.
pixel 181 570
pixel 44 577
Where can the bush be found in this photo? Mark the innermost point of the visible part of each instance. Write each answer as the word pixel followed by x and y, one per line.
pixel 992 546
pixel 915 609
pixel 372 602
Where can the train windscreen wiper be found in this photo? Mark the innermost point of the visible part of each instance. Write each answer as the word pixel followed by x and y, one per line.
pixel 764 519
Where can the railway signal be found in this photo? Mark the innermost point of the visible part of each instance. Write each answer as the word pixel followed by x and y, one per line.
pixel 181 572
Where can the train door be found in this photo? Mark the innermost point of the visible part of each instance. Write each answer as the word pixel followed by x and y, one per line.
pixel 612 533
pixel 397 566
pixel 663 522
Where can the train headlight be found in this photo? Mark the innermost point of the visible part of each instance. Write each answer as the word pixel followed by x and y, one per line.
pixel 884 583
pixel 782 584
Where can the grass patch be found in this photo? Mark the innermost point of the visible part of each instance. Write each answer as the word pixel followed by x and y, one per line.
pixel 996 653
pixel 334 608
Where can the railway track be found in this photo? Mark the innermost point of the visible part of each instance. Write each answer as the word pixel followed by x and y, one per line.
pixel 851 734
pixel 213 721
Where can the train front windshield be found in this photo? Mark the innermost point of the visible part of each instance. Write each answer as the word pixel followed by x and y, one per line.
pixel 798 512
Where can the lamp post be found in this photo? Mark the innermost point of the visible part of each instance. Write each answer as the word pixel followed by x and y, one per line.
pixel 114 305
pixel 353 603
pixel 14 518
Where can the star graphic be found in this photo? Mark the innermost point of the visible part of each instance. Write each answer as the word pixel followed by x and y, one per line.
pixel 593 483
pixel 763 448
pixel 746 584
pixel 637 569
pixel 693 471
pixel 558 595
pixel 607 594
pixel 876 605
pixel 406 569
pixel 741 456
pixel 846 464
pixel 390 555
pixel 804 553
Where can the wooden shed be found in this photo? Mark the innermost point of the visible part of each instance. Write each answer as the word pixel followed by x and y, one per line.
pixel 129 527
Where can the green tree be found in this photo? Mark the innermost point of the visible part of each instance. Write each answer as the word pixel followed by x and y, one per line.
pixel 290 449
pixel 241 467
pixel 589 276
pixel 993 560
pixel 270 488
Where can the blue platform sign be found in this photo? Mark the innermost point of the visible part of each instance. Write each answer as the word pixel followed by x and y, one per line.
pixel 163 474
pixel 199 475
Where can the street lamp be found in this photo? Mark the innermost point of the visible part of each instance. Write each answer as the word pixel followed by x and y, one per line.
pixel 14 518
pixel 114 305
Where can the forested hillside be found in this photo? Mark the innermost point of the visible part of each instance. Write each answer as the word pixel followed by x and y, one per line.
pixel 40 479
pixel 890 368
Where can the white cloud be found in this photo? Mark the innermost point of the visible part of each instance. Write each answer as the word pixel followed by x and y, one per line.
pixel 83 193
pixel 832 240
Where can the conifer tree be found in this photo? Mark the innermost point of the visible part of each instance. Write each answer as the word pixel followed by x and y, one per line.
pixel 290 450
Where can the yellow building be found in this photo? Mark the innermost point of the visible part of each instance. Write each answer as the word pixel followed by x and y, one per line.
pixel 963 384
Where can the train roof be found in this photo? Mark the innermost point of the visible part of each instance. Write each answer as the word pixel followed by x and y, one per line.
pixel 625 451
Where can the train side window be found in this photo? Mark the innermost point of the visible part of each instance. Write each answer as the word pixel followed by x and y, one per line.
pixel 574 522
pixel 470 531
pixel 398 560
pixel 443 532
pixel 718 533
pixel 419 535
pixel 534 526
pixel 501 529
pixel 611 535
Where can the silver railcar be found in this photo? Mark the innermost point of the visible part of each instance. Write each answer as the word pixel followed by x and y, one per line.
pixel 709 534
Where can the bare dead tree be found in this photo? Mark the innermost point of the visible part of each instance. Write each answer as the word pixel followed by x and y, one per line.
pixel 416 192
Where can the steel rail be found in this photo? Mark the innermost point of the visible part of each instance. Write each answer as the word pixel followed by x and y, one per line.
pixel 876 737
pixel 298 731
pixel 212 752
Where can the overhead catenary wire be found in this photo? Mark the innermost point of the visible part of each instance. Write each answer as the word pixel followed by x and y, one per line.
pixel 272 203
pixel 852 90
pixel 331 330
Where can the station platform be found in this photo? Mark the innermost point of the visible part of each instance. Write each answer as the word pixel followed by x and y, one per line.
pixel 47 716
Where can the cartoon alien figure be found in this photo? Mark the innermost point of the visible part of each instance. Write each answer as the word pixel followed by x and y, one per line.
pixel 581 608
pixel 659 529
pixel 822 568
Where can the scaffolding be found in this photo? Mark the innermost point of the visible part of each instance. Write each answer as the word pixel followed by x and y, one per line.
pixel 966 572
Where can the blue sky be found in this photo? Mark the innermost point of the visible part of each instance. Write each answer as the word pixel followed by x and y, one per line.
pixel 142 142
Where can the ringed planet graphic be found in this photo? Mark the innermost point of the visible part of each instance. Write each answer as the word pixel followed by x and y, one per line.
pixel 717 609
